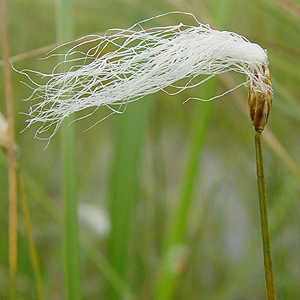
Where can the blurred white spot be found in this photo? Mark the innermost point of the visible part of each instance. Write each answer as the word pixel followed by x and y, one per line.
pixel 95 217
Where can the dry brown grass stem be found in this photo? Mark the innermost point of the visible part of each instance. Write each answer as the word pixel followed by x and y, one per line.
pixel 38 52
pixel 11 149
pixel 290 6
pixel 31 242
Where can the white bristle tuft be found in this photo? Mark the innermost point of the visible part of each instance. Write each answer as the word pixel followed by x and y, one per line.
pixel 143 61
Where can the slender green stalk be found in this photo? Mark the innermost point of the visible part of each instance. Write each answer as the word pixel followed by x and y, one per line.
pixel 71 239
pixel 69 184
pixel 264 219
pixel 11 149
pixel 30 239
pixel 130 129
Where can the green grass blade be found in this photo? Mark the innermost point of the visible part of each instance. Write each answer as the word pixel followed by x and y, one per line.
pixel 130 128
pixel 71 239
pixel 64 28
pixel 168 276
pixel 31 243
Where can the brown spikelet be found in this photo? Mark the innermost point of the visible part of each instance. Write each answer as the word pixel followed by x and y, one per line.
pixel 260 99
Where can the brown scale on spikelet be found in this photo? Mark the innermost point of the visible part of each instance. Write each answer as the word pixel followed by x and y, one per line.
pixel 260 99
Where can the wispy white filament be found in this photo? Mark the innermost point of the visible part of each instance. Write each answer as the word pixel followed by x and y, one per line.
pixel 125 65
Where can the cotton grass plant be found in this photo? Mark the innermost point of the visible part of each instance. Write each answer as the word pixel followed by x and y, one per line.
pixel 126 65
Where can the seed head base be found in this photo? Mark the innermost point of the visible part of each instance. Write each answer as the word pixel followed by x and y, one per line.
pixel 260 99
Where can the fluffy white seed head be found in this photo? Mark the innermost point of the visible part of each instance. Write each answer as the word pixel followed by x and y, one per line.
pixel 125 65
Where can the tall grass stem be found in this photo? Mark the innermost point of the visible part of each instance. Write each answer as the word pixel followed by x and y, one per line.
pixel 269 277
pixel 169 275
pixel 11 149
pixel 64 30
pixel 130 128
pixel 30 239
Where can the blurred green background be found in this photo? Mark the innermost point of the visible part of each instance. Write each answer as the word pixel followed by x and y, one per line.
pixel 167 194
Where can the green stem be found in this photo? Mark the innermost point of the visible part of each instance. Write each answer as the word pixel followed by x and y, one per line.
pixel 130 128
pixel 264 219
pixel 64 30
pixel 31 243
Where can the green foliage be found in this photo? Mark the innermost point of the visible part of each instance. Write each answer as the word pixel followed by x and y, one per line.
pixel 132 169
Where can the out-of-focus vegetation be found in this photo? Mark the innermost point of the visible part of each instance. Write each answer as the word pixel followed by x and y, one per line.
pixel 132 168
